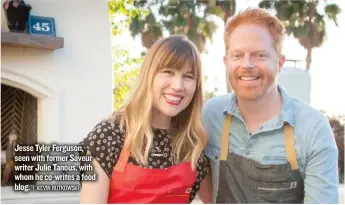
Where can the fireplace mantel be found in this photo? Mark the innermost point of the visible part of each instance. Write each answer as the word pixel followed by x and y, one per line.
pixel 25 40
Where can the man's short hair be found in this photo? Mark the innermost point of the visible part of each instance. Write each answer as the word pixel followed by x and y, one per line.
pixel 260 17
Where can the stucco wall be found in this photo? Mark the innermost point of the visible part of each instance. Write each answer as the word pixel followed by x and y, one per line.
pixel 78 77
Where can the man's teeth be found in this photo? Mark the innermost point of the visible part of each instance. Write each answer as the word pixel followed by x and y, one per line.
pixel 249 78
pixel 173 98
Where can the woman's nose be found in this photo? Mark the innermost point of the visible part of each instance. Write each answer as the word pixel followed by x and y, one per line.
pixel 177 83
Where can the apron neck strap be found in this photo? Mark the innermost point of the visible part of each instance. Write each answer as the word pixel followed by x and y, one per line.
pixel 288 140
pixel 225 138
pixel 290 146
pixel 123 158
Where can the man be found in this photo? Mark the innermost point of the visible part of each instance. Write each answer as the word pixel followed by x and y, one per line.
pixel 265 146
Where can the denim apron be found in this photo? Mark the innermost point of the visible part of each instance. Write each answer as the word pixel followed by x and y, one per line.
pixel 242 180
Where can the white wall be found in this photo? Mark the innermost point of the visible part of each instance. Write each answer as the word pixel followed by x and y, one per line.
pixel 79 75
pixel 297 82
pixel 73 84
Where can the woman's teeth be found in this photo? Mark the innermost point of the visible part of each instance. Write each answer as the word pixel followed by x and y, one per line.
pixel 172 98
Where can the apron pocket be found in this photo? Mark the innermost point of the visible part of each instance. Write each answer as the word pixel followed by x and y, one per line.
pixel 184 191
pixel 278 192
pixel 175 196
pixel 293 185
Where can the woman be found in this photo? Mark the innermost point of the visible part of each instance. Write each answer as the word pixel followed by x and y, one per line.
pixel 150 149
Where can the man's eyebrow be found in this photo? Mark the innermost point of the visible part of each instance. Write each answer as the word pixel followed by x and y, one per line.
pixel 261 51
pixel 235 50
pixel 254 52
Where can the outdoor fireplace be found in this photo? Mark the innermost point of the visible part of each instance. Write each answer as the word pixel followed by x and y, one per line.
pixel 25 105
pixel 18 114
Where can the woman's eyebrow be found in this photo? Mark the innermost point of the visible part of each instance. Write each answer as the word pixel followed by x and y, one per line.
pixel 190 72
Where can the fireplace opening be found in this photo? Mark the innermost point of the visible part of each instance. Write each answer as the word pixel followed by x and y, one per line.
pixel 18 122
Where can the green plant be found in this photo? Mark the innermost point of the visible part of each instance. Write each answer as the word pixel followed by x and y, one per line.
pixel 126 68
pixel 304 21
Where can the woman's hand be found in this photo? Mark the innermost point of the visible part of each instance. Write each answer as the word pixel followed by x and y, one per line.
pixel 205 191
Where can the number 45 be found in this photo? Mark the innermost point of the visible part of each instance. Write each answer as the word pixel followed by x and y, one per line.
pixel 43 27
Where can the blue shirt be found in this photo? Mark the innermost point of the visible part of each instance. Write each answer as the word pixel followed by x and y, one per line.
pixel 317 153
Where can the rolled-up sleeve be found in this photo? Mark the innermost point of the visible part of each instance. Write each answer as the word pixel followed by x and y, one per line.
pixel 212 151
pixel 321 172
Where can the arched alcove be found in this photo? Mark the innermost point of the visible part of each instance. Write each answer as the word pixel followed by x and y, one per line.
pixel 23 111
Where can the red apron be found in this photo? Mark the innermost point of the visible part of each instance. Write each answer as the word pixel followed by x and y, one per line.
pixel 134 184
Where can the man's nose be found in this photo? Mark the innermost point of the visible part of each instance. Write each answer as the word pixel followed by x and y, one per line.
pixel 247 63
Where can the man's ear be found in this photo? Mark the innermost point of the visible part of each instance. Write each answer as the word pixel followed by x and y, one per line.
pixel 281 62
pixel 224 60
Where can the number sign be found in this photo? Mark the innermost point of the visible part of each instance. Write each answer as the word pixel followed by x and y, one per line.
pixel 41 25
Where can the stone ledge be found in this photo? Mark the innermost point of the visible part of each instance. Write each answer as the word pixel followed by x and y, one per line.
pixel 25 40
